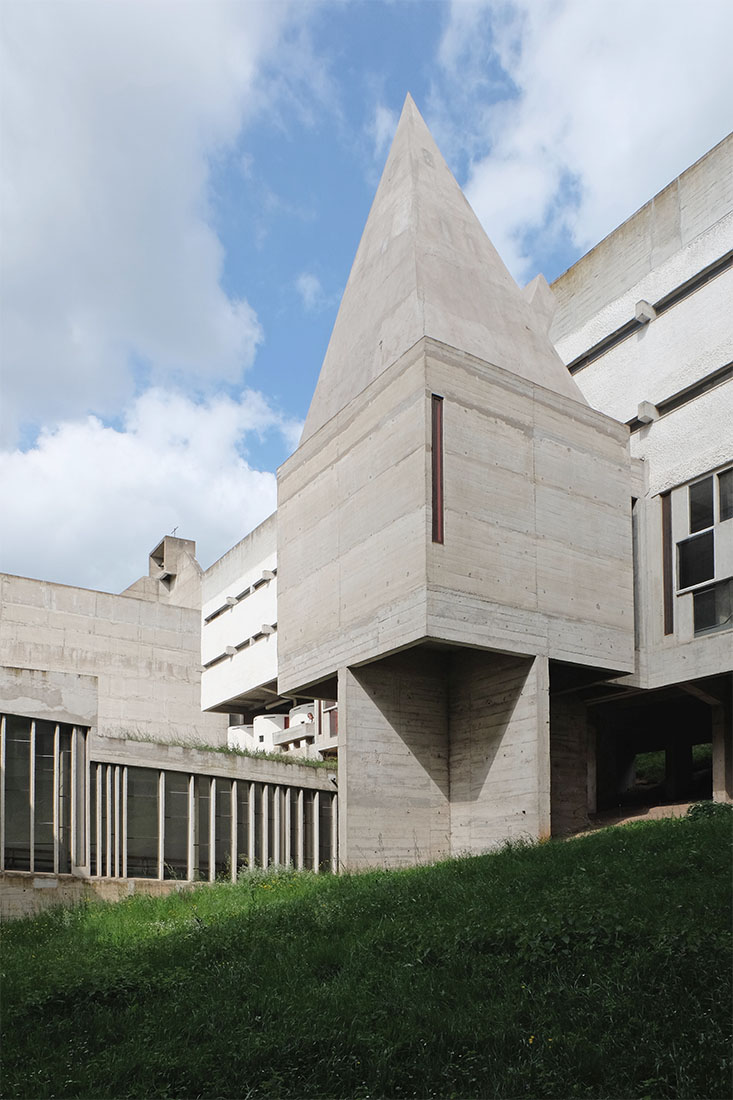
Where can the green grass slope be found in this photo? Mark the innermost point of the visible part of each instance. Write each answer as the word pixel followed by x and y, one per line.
pixel 596 968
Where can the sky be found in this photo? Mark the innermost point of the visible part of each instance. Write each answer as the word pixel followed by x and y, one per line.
pixel 183 187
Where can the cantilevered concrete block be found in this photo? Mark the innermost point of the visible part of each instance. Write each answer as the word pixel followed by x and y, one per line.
pixel 455 516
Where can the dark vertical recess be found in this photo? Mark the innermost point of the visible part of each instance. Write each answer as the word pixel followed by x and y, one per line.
pixel 667 564
pixel 437 417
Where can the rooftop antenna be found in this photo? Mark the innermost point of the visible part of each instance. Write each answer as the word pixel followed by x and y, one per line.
pixel 174 531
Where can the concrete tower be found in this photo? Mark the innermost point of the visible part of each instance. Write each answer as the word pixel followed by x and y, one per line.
pixel 455 521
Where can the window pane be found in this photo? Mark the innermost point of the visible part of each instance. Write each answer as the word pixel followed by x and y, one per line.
pixel 223 828
pixel 701 505
pixel 17 793
pixel 65 800
pixel 308 860
pixel 242 825
pixel 725 483
pixel 325 809
pixel 43 823
pixel 202 786
pixel 696 561
pixel 142 823
pixel 713 606
pixel 175 855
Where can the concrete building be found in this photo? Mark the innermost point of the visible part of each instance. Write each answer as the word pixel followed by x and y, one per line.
pixel 504 544
pixel 500 569
pixel 112 778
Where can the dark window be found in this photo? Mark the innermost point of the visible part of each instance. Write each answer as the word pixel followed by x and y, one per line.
pixel 701 505
pixel 142 823
pixel 696 560
pixel 437 441
pixel 712 607
pixel 725 486
pixel 175 852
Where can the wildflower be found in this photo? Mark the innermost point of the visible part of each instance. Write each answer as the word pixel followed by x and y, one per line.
pixel 531 1040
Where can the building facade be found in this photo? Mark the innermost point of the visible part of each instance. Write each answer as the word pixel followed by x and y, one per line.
pixel 504 544
pixel 112 778
pixel 500 571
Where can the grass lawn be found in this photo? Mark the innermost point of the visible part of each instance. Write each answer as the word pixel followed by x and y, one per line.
pixel 598 967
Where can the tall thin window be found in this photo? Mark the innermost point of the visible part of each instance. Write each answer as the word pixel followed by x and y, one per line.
pixel 437 441
pixel 667 564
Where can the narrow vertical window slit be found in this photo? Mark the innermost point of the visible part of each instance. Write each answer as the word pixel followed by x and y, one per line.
pixel 667 564
pixel 437 467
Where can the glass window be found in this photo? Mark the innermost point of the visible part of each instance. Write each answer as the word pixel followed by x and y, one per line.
pixel 64 819
pixel 701 505
pixel 17 793
pixel 725 488
pixel 712 607
pixel 242 825
pixel 43 823
pixel 223 827
pixel 175 854
pixel 696 561
pixel 202 787
pixel 325 809
pixel 142 823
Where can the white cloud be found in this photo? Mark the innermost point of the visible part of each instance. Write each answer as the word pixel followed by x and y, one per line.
pixel 110 115
pixel 310 290
pixel 99 498
pixel 382 129
pixel 599 106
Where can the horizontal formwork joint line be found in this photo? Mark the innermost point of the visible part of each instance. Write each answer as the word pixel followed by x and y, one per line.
pixel 688 394
pixel 684 290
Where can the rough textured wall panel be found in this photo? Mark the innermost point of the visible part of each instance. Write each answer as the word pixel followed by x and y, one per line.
pixel 499 750
pixel 393 762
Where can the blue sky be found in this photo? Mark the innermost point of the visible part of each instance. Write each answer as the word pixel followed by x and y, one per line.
pixel 184 186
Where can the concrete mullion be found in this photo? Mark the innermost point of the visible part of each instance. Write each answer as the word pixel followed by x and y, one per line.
pixel 87 800
pixel 334 833
pixel 191 826
pixel 287 855
pixel 117 820
pixel 123 826
pixel 161 824
pixel 74 795
pixel 299 831
pixel 252 826
pixel 276 825
pixel 98 777
pixel 264 824
pixel 32 800
pixel 233 821
pixel 316 831
pixel 212 830
pixel 108 822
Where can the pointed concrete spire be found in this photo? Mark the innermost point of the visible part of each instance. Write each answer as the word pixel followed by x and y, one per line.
pixel 425 267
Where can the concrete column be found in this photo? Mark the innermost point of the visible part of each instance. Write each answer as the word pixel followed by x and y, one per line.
pixel 288 854
pixel 334 834
pixel 316 831
pixel 569 740
pixel 499 749
pixel 722 724
pixel 251 827
pixel 393 762
pixel 234 809
pixel 300 832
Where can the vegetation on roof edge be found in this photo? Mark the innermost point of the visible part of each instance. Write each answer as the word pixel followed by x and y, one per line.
pixel 227 750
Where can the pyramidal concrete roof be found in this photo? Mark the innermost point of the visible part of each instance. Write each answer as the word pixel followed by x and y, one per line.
pixel 425 267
